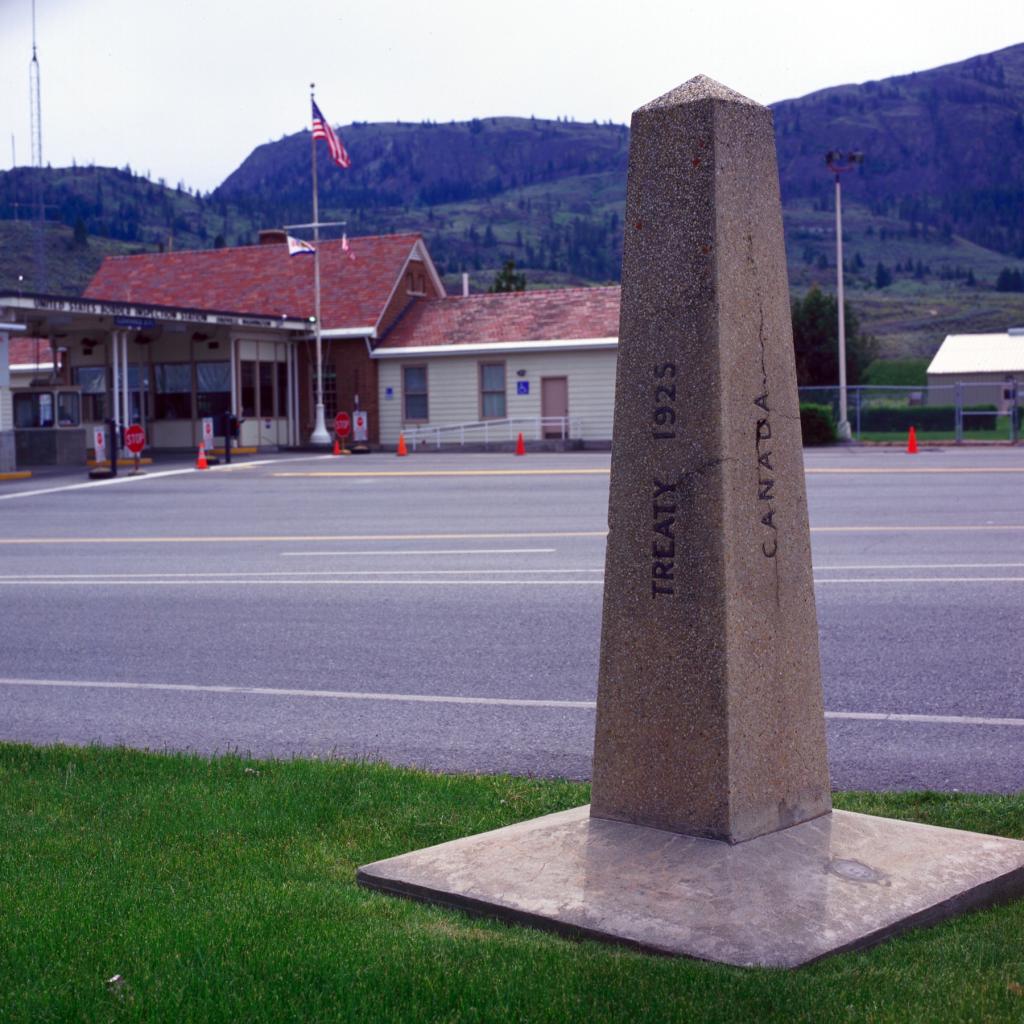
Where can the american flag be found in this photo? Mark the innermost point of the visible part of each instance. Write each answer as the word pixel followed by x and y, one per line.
pixel 323 130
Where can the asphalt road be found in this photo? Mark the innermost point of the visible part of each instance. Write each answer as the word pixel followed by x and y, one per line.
pixel 449 616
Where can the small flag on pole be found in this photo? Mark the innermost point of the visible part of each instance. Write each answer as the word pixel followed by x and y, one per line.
pixel 322 130
pixel 297 245
pixel 346 248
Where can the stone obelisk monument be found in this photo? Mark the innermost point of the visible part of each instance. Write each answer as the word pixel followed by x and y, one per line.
pixel 709 714
pixel 711 832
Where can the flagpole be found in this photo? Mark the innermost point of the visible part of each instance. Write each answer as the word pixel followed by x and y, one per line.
pixel 319 435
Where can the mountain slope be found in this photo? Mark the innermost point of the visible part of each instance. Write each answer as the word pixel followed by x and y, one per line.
pixel 931 219
pixel 943 147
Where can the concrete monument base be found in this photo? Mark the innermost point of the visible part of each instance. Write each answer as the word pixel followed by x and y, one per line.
pixel 839 882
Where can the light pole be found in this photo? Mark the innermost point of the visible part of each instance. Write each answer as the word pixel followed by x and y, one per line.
pixel 839 162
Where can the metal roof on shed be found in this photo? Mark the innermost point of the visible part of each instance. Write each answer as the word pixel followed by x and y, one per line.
pixel 980 353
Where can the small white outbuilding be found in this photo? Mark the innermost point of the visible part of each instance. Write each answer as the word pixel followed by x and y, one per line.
pixel 989 366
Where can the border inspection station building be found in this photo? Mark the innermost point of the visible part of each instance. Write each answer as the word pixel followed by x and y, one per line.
pixel 167 339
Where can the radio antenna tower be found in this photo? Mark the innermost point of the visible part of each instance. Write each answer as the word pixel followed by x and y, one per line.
pixel 36 118
pixel 34 99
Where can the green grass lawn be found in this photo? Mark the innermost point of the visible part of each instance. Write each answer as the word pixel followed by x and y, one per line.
pixel 223 890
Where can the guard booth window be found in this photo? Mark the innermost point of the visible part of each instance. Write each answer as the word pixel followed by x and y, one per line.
pixel 68 409
pixel 93 382
pixel 266 390
pixel 282 389
pixel 248 388
pixel 173 391
pixel 213 388
pixel 34 410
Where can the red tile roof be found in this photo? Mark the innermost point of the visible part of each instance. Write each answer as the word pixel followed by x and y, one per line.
pixel 544 315
pixel 30 352
pixel 263 279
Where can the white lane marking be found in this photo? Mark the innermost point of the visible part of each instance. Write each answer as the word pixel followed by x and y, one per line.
pixel 924 579
pixel 128 477
pixel 120 479
pixel 450 551
pixel 231 576
pixel 267 691
pixel 925 567
pixel 884 716
pixel 531 535
pixel 425 698
pixel 958 528
pixel 264 579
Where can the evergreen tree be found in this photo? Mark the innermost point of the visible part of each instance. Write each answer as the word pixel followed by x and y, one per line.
pixel 883 275
pixel 507 280
pixel 1010 281
pixel 816 341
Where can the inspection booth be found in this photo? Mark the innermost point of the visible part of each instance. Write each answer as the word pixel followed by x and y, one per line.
pixel 163 367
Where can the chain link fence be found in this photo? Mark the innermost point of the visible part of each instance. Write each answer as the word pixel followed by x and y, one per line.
pixel 965 411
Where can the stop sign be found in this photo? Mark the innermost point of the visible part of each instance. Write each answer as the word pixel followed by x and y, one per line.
pixel 342 424
pixel 135 439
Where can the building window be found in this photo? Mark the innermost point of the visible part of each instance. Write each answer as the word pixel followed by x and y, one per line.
pixel 213 388
pixel 248 388
pixel 173 391
pixel 282 389
pixel 330 391
pixel 492 391
pixel 93 382
pixel 33 410
pixel 266 390
pixel 68 409
pixel 414 393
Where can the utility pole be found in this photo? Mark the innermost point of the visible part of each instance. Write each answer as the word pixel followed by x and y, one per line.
pixel 839 162
pixel 36 119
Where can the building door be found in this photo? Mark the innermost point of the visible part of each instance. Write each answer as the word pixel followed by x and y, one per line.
pixel 267 407
pixel 554 406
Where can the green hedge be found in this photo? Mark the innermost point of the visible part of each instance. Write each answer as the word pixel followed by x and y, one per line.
pixel 817 424
pixel 923 417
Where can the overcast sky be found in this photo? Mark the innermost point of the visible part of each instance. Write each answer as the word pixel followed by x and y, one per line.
pixel 185 89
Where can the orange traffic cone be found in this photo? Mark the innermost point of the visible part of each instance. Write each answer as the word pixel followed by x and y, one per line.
pixel 337 448
pixel 201 459
pixel 912 442
pixel 402 450
pixel 520 445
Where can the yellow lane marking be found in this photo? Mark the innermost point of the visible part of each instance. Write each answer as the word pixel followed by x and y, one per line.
pixel 275 539
pixel 19 474
pixel 814 470
pixel 453 472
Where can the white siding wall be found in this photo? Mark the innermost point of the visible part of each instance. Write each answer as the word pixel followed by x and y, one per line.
pixel 978 388
pixel 453 387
